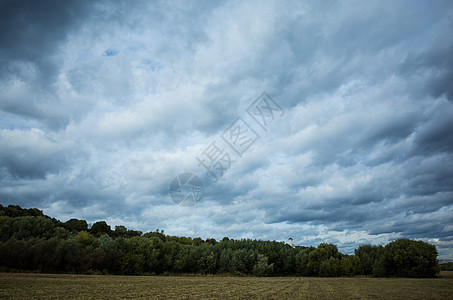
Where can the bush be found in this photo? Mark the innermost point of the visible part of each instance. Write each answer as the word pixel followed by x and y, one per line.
pixel 407 258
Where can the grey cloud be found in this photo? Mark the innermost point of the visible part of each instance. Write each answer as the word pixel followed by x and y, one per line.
pixel 32 30
pixel 436 134
pixel 31 34
pixel 31 154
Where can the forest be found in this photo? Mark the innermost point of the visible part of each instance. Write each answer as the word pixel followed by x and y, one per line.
pixel 31 241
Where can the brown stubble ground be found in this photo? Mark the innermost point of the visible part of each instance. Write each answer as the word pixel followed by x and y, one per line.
pixel 63 286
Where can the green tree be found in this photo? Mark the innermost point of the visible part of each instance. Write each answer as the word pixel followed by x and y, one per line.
pixel 207 261
pixel 12 254
pixel 211 241
pixel 133 261
pixel 76 225
pixel 14 211
pixel 315 258
pixel 243 261
pixel 408 258
pixel 350 265
pixel 302 259
pixel 24 227
pixel 368 255
pixel 262 266
pixel 70 256
pixel 332 250
pixel 225 261
pixel 119 231
pixel 330 267
pixel 100 228
pixel 6 228
pixel 84 238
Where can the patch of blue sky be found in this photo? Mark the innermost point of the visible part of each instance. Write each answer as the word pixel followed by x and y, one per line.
pixel 110 52
pixel 151 65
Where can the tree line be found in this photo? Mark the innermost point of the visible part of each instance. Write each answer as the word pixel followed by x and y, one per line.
pixel 32 241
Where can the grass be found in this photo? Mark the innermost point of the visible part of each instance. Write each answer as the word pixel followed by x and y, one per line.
pixel 50 286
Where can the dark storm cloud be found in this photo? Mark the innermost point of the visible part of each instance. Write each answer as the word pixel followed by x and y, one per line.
pixel 32 155
pixel 31 31
pixel 435 135
pixel 437 57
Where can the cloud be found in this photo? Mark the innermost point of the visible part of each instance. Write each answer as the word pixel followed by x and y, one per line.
pixel 103 104
pixel 31 31
pixel 32 154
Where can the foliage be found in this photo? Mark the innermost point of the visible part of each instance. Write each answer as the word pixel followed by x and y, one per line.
pixel 76 225
pixel 32 241
pixel 446 266
pixel 408 258
pixel 367 255
pixel 100 228
pixel 17 211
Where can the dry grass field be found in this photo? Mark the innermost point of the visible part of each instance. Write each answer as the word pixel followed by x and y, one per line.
pixel 48 286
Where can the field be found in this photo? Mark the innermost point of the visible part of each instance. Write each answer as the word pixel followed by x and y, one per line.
pixel 49 286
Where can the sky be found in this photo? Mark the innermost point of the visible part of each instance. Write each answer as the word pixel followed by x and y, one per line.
pixel 104 103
